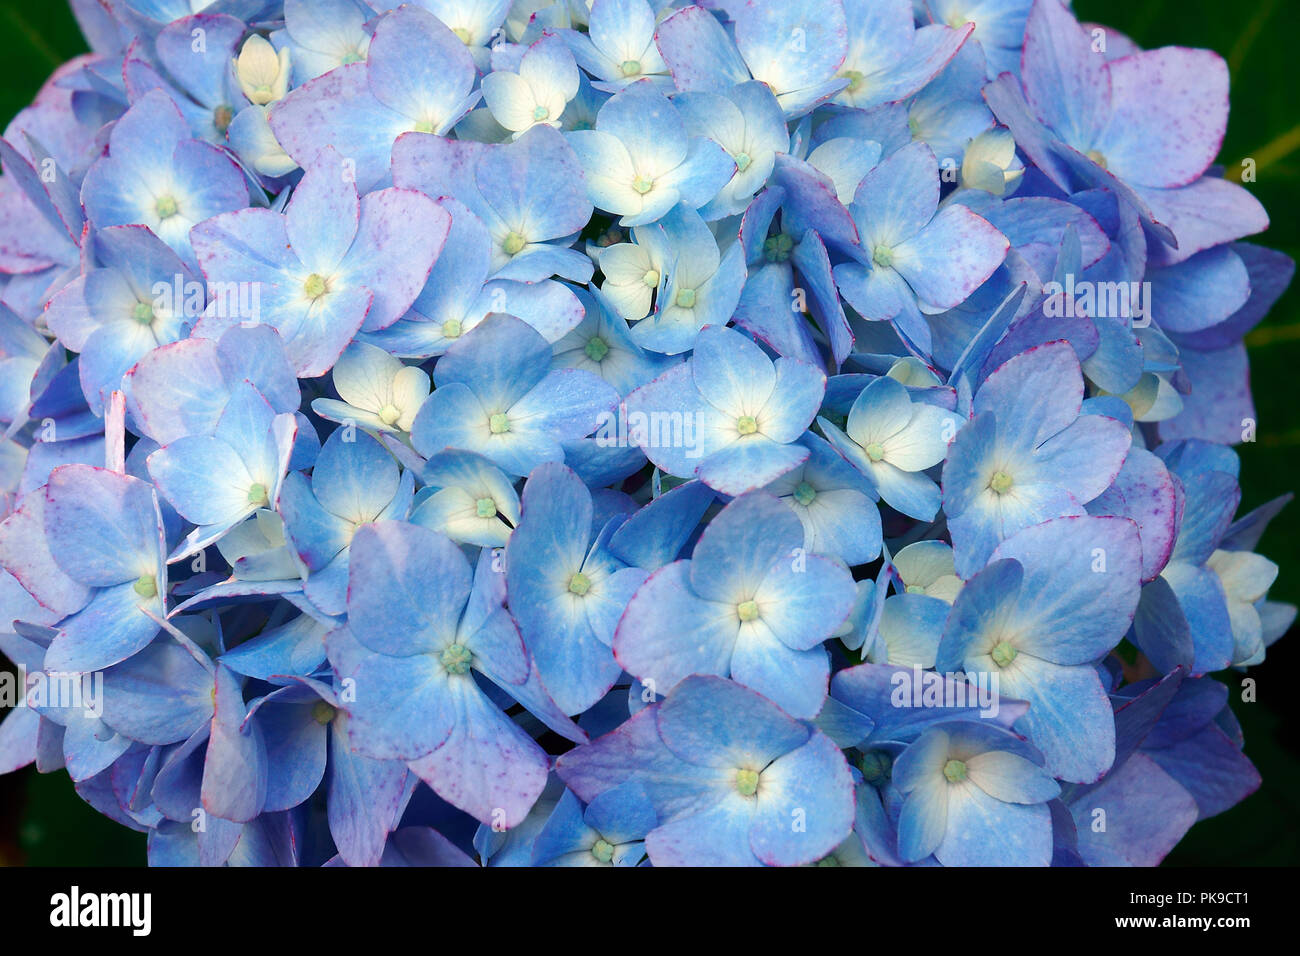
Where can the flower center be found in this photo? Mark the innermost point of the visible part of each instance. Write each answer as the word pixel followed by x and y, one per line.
pixel 686 298
pixel 165 206
pixel 389 415
pixel 747 610
pixel 630 67
pixel 643 185
pixel 828 861
pixel 143 313
pixel 746 424
pixel 451 328
pixel 914 589
pixel 456 658
pixel 257 493
pixel 499 424
pixel 354 57
pixel 804 493
pixel 875 766
pixel 322 712
pixel 315 286
pixel 855 79
pixel 146 585
pixel 742 162
pixel 513 243
pixel 651 278
pixel 875 451
pixel 954 771
pixel 579 584
pixel 883 256
pixel 778 248
pixel 596 349
pixel 221 118
pixel 1001 482
pixel 463 35
pixel 747 782
pixel 1098 158
pixel 1003 654
pixel 603 850
pixel 485 508
pixel 540 113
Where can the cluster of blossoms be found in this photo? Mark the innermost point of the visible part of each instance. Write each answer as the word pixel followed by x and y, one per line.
pixel 604 433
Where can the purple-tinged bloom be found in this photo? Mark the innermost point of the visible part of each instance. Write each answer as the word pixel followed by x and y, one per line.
pixel 797 49
pixel 105 532
pixel 737 413
pixel 417 75
pixel 975 796
pixel 888 57
pixel 730 776
pixel 497 395
pixel 892 440
pixel 156 175
pixel 750 603
pixel 1028 454
pixel 618 48
pixel 1053 601
pixel 610 831
pixel 640 161
pixel 914 257
pixel 113 315
pixel 530 194
pixel 566 589
pixel 329 265
pixel 420 623
pixel 216 481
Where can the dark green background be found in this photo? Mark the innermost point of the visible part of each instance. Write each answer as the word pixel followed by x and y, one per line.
pixel 43 822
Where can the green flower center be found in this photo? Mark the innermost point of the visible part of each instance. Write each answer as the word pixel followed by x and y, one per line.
pixel 389 415
pixel 540 113
pixel 603 850
pixel 315 286
pixel 914 589
pixel 579 584
pixel 1097 158
pixel 685 298
pixel 451 328
pixel 221 118
pixel 954 771
pixel 828 861
pixel 165 206
pixel 257 493
pixel 1001 482
pixel 876 766
pixel 596 349
pixel 875 451
pixel 322 712
pixel 513 243
pixel 742 162
pixel 747 610
pixel 643 185
pixel 485 508
pixel 354 57
pixel 855 79
pixel 778 248
pixel 456 658
pixel 630 67
pixel 142 313
pixel 463 35
pixel 804 493
pixel 746 424
pixel 651 278
pixel 1003 654
pixel 747 782
pixel 882 256
pixel 498 424
pixel 146 585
